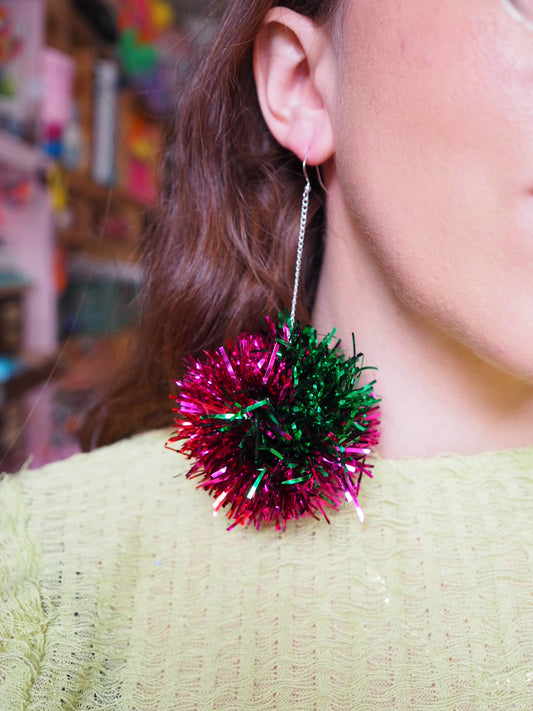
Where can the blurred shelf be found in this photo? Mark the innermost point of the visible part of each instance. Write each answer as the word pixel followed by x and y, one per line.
pixel 98 247
pixel 90 266
pixel 82 184
pixel 11 288
pixel 31 370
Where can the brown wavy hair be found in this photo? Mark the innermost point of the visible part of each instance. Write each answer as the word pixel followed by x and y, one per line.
pixel 220 255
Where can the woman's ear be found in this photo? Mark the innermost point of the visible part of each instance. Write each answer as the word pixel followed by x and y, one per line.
pixel 294 68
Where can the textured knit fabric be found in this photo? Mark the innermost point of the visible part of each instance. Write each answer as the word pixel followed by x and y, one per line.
pixel 121 590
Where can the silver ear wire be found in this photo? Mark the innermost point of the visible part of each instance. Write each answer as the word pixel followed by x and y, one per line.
pixel 304 169
pixel 301 239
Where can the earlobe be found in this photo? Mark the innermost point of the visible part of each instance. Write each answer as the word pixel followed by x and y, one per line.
pixel 294 74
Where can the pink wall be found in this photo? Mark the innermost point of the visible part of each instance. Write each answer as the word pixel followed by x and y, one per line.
pixel 29 233
pixel 28 229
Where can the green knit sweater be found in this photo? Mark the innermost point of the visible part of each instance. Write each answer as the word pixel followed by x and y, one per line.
pixel 120 590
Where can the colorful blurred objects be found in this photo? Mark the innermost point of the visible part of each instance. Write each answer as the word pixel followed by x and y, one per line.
pixel 141 26
pixel 142 145
pixel 10 46
pixel 162 14
pixel 149 18
pixel 57 188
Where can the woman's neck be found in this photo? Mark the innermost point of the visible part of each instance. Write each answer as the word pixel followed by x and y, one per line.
pixel 437 395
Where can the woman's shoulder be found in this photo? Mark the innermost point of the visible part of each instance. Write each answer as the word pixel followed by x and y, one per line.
pixel 133 454
pixel 120 588
pixel 93 480
pixel 84 544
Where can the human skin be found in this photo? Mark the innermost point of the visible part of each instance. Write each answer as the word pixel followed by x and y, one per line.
pixel 422 114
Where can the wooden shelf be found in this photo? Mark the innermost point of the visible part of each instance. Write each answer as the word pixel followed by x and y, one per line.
pixel 82 184
pixel 101 241
pixel 99 246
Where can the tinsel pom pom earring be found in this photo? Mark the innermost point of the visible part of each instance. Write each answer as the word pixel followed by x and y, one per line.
pixel 277 423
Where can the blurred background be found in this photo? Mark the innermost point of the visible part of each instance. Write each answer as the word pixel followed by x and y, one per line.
pixel 86 87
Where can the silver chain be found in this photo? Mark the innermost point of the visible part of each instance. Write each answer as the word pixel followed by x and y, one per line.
pixel 301 238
